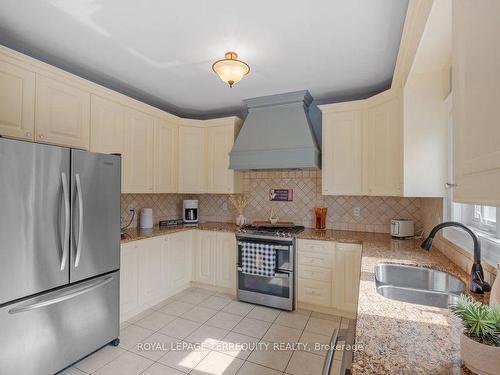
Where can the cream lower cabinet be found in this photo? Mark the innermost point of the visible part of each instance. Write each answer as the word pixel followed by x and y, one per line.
pixel 62 113
pixel 204 257
pixel 129 279
pixel 153 284
pixel 179 259
pixel 328 276
pixel 225 261
pixel 17 102
pixel 314 266
pixel 152 270
pixel 347 271
pixel 476 98
pixel 215 259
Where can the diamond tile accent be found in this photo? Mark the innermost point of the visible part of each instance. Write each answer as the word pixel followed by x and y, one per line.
pixel 376 212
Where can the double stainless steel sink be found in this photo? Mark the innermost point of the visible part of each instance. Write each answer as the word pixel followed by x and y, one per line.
pixel 419 285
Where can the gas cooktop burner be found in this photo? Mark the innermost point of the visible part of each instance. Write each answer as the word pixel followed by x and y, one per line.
pixel 272 231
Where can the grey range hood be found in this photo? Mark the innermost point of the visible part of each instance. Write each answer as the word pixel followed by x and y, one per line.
pixel 276 134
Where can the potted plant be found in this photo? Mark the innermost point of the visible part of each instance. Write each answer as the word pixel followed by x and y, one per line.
pixel 480 339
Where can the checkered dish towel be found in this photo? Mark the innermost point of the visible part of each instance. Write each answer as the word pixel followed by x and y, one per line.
pixel 258 259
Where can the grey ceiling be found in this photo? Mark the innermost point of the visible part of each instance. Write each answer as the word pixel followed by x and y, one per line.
pixel 161 51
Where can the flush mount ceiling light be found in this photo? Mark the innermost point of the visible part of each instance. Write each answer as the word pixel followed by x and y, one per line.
pixel 231 70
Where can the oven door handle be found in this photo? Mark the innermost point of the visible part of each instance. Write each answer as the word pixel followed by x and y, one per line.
pixel 275 247
pixel 278 273
pixel 281 274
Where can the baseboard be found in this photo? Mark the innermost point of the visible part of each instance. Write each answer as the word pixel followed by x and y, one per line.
pixel 213 288
pixel 326 310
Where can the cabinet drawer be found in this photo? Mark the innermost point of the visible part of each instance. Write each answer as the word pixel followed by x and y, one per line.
pixel 310 246
pixel 315 273
pixel 314 292
pixel 315 259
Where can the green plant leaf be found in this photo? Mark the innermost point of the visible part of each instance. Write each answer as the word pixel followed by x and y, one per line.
pixel 480 321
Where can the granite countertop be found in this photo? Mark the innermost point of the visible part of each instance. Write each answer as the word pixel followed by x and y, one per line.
pixel 396 337
pixel 135 234
pixel 399 337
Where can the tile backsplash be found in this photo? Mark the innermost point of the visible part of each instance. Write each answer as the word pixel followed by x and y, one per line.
pixel 375 215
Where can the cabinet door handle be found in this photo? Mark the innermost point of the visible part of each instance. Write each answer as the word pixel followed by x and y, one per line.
pixel 41 136
pixel 28 134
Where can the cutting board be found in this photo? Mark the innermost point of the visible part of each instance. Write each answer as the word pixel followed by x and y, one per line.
pixel 279 224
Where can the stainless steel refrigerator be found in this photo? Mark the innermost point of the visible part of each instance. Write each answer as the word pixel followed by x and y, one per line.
pixel 59 255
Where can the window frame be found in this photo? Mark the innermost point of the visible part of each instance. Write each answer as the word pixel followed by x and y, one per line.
pixel 490 241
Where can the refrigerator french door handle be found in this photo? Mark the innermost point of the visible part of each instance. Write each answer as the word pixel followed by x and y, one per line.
pixel 53 300
pixel 80 219
pixel 64 258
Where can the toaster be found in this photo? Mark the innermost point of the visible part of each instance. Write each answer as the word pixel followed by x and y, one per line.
pixel 402 228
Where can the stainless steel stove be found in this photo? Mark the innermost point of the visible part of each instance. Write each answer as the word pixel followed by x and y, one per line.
pixel 277 291
pixel 280 232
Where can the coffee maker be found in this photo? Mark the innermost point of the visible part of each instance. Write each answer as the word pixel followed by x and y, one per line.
pixel 190 211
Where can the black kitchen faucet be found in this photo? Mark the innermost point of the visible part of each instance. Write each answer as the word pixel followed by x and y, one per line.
pixel 477 283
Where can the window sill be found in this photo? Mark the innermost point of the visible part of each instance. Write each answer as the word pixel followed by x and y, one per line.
pixel 490 246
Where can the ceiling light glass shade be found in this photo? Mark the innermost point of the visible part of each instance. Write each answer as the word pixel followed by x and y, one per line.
pixel 231 70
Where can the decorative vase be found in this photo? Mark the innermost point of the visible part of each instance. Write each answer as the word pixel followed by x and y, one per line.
pixel 241 220
pixel 479 358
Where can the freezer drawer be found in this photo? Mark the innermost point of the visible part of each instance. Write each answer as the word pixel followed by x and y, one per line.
pixel 45 334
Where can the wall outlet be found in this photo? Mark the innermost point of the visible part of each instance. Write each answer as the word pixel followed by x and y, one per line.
pixel 130 208
pixel 356 211
pixel 224 206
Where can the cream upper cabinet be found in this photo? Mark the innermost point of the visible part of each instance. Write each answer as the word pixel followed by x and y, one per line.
pixel 372 147
pixel 220 136
pixel 342 152
pixel 192 158
pixel 17 102
pixel 476 98
pixel 107 126
pixel 62 113
pixel 382 148
pixel 137 156
pixel 166 142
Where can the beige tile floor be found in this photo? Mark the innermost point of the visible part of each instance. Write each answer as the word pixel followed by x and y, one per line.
pixel 230 333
